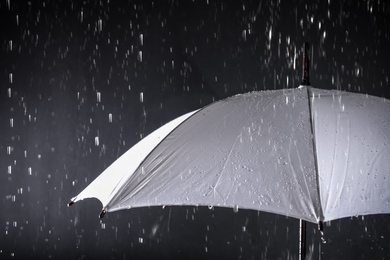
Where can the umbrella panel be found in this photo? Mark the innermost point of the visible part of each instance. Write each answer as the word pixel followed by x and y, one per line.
pixel 251 151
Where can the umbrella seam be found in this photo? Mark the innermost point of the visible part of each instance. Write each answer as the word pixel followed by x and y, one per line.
pixel 321 214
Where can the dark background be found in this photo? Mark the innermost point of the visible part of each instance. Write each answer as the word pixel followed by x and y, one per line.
pixel 72 74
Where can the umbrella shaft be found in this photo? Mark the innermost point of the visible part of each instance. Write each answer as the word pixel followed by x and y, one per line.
pixel 302 239
pixel 305 65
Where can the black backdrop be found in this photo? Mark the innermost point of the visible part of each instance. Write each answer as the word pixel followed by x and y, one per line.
pixel 82 81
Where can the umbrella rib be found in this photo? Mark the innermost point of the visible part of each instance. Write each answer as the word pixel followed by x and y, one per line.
pixel 311 119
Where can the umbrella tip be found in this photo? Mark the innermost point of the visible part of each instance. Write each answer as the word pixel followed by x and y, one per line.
pixel 305 65
pixel 102 213
pixel 70 203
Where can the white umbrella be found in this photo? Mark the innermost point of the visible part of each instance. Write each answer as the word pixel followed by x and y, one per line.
pixel 312 154
pixel 307 153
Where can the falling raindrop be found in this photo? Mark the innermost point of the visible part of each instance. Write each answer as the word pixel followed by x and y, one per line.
pixel 154 230
pixel 244 35
pixel 100 25
pixel 270 34
pixel 322 237
pixel 97 140
pixel 141 97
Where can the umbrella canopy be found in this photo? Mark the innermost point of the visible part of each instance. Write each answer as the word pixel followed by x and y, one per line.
pixel 307 153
